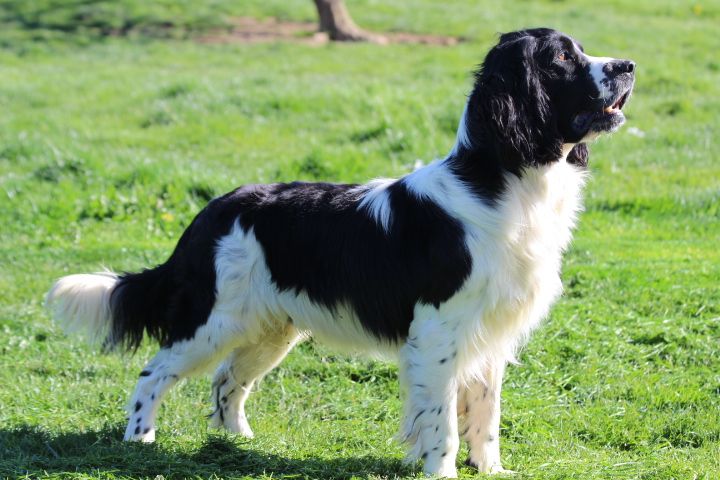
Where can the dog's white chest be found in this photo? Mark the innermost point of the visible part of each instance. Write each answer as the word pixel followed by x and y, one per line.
pixel 539 212
pixel 516 262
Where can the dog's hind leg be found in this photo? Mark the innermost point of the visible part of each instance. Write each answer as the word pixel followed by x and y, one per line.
pixel 244 366
pixel 155 380
pixel 479 416
pixel 182 359
pixel 428 378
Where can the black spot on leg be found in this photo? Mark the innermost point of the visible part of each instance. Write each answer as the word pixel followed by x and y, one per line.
pixel 145 373
pixel 152 397
pixel 224 399
pixel 416 417
pixel 138 406
pixel 435 449
pixel 137 430
pixel 243 384
pixel 439 410
pixel 485 392
pixel 464 432
pixel 443 360
pixel 443 454
pixel 424 455
pixel 477 431
pixel 491 438
pixel 470 463
pixel 146 431
pixel 138 420
pixel 467 409
pixel 218 408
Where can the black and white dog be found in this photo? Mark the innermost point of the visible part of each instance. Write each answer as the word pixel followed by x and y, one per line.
pixel 448 268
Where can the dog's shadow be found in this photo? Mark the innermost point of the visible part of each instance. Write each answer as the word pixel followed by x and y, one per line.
pixel 32 452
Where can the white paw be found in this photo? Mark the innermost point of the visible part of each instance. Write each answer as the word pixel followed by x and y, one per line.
pixel 134 434
pixel 489 468
pixel 237 425
pixel 450 472
pixel 445 469
pixel 241 427
pixel 499 470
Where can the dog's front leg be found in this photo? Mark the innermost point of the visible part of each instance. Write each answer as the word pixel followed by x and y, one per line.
pixel 428 377
pixel 479 416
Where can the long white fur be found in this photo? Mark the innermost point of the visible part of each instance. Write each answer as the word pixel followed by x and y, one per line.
pixel 81 304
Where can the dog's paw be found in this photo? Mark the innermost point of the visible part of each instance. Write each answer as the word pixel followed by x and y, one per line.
pixel 241 427
pixel 138 434
pixel 489 469
pixel 442 467
pixel 237 425
pixel 448 472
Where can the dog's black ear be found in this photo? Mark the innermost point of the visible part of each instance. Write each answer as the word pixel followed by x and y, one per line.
pixel 511 98
pixel 579 155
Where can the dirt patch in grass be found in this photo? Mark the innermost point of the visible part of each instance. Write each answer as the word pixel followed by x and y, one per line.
pixel 253 30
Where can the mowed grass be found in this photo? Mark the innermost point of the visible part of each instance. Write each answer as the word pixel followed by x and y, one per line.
pixel 109 146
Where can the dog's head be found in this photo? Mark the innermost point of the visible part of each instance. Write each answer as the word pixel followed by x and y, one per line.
pixel 538 91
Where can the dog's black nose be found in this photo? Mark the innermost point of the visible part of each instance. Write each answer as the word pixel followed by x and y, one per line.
pixel 620 66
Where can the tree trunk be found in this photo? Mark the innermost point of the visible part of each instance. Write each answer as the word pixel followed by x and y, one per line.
pixel 336 21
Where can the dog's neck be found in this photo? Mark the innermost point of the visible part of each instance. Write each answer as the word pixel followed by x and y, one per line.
pixel 483 161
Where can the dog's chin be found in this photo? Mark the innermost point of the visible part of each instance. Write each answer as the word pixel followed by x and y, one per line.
pixel 606 121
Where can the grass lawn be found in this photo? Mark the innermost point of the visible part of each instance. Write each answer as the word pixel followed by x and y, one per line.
pixel 110 145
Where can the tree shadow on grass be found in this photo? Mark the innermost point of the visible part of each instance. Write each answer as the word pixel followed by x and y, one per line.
pixel 31 451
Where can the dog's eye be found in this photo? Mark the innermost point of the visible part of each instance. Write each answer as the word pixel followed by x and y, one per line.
pixel 563 57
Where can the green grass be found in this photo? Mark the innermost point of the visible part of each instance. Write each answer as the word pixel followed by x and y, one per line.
pixel 109 146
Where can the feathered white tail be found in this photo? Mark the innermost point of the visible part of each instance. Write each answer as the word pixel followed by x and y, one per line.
pixel 81 304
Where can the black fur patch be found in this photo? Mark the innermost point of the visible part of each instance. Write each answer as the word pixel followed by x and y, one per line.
pixel 316 241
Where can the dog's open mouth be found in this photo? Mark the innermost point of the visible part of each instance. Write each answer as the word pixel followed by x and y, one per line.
pixel 607 118
pixel 617 106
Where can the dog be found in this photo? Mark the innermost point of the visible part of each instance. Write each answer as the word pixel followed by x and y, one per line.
pixel 448 269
